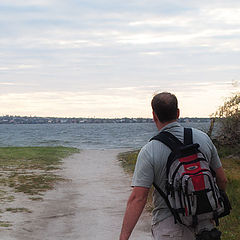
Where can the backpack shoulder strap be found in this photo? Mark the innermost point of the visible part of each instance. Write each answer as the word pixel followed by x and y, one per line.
pixel 188 136
pixel 172 142
pixel 168 139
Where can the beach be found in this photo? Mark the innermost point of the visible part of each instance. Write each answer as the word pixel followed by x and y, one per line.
pixel 89 205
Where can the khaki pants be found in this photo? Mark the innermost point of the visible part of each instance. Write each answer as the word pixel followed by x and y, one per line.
pixel 168 230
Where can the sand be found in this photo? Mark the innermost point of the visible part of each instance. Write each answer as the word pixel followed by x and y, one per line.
pixel 89 206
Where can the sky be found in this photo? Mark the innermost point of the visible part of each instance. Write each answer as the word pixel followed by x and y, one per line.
pixel 107 59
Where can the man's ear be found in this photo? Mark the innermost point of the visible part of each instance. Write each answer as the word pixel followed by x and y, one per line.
pixel 155 118
pixel 178 113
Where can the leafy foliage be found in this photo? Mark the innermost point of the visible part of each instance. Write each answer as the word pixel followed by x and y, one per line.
pixel 228 117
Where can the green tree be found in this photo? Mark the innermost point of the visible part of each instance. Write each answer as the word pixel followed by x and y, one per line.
pixel 228 119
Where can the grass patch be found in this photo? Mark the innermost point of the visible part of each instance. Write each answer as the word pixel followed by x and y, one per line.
pixel 36 198
pixel 16 210
pixel 229 151
pixel 29 170
pixel 33 184
pixel 5 224
pixel 45 158
pixel 128 160
pixel 230 225
pixel 5 197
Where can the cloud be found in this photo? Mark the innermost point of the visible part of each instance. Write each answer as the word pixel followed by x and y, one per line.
pixel 153 53
pixel 163 21
pixel 116 102
pixel 7 83
pixel 227 16
pixel 21 3
pixel 70 104
pixel 212 38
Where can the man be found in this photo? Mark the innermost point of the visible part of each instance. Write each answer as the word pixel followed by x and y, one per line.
pixel 151 167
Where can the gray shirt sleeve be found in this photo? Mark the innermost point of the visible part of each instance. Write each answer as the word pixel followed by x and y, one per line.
pixel 215 160
pixel 143 174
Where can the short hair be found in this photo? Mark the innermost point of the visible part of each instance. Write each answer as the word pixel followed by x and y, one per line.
pixel 165 106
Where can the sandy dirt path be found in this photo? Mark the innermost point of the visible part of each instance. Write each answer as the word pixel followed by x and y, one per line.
pixel 90 206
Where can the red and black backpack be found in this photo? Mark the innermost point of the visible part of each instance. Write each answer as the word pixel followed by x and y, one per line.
pixel 191 191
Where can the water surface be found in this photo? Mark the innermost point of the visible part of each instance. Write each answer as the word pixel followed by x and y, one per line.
pixel 83 136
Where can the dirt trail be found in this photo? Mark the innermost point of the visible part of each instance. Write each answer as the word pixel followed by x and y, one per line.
pixel 88 207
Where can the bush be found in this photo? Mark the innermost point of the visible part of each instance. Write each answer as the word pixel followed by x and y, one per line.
pixel 228 117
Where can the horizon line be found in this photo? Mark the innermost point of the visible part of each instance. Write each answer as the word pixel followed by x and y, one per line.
pixel 94 117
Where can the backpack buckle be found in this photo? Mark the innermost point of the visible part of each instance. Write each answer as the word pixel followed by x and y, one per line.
pixel 169 188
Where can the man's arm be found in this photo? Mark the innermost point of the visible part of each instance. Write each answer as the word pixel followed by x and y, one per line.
pixel 135 206
pixel 221 178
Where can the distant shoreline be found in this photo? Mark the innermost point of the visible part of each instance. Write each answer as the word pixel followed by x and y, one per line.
pixel 55 120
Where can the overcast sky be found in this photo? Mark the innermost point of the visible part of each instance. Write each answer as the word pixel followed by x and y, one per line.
pixel 107 58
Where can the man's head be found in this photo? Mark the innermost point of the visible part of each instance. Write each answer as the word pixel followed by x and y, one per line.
pixel 165 107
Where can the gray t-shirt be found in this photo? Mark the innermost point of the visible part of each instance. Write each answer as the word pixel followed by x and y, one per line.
pixel 152 160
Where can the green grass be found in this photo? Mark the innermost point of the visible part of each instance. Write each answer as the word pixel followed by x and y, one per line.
pixel 33 184
pixel 230 225
pixel 5 224
pixel 128 160
pixel 29 170
pixel 226 151
pixel 46 158
pixel 16 210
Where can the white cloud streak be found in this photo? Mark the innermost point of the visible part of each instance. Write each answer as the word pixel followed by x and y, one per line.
pixel 28 3
pixel 7 83
pixel 116 102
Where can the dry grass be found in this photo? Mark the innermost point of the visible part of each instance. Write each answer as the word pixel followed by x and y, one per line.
pixel 230 225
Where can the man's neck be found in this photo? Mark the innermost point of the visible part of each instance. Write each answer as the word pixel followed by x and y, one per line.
pixel 161 125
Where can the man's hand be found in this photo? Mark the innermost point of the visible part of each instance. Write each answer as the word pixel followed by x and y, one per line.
pixel 135 206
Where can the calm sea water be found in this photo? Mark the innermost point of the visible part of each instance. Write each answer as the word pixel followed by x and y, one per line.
pixel 83 136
